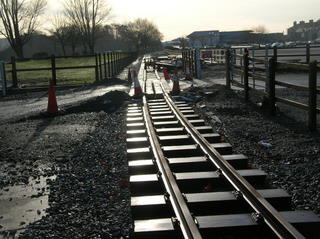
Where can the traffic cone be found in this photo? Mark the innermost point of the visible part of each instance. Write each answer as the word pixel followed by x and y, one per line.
pixel 137 87
pixel 52 100
pixel 129 76
pixel 188 75
pixel 175 79
pixel 166 74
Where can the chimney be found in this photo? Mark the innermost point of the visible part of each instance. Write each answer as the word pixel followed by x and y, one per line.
pixel 311 21
pixel 294 23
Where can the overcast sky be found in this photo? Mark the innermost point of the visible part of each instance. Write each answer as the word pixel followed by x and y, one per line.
pixel 176 18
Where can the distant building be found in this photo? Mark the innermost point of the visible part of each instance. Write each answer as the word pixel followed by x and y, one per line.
pixel 235 37
pixel 216 38
pixel 304 31
pixel 204 38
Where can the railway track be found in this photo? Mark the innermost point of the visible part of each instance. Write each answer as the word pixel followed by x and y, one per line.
pixel 186 182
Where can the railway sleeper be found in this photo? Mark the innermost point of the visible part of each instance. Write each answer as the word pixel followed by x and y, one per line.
pixel 225 226
pixel 190 182
pixel 211 203
pixel 185 164
pixel 194 150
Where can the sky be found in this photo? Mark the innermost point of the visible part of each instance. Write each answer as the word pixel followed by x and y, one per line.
pixel 177 18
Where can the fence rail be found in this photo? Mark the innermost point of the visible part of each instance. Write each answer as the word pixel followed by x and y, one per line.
pixel 107 65
pixel 245 71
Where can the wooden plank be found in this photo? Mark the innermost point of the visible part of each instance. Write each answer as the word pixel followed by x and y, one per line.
pixel 258 77
pixel 292 86
pixel 292 103
pixel 293 66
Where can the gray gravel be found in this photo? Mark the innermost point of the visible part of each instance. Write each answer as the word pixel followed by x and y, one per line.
pixel 293 160
pixel 85 148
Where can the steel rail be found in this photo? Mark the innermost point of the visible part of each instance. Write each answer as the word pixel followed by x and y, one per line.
pixel 186 221
pixel 263 209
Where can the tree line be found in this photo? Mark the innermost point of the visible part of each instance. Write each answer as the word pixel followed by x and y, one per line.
pixel 79 26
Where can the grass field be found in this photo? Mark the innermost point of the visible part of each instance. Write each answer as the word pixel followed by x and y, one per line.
pixel 64 77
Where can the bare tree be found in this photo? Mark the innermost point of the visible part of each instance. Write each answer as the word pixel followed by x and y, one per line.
pixel 19 20
pixel 59 31
pixel 65 33
pixel 145 34
pixel 88 16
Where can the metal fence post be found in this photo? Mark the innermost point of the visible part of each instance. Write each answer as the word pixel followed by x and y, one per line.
pixel 113 58
pixel 312 114
pixel 109 65
pixel 105 65
pixel 53 70
pixel 227 62
pixel 100 66
pixel 246 74
pixel 97 68
pixel 198 63
pixel 271 86
pixel 3 79
pixel 14 72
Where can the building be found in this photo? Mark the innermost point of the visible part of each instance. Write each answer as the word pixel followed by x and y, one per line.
pixel 201 39
pixel 215 38
pixel 304 31
pixel 234 37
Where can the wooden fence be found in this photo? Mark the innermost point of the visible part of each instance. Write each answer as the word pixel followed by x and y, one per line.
pixel 270 79
pixel 107 65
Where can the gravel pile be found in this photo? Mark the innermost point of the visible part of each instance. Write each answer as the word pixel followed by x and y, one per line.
pixel 85 148
pixel 279 145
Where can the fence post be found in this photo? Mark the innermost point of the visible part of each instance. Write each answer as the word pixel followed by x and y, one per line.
pixel 183 64
pixel 118 62
pixel 312 119
pixel 246 74
pixel 3 79
pixel 113 59
pixel 227 56
pixel 105 65
pixel 100 66
pixel 271 86
pixel 275 54
pixel 14 72
pixel 109 65
pixel 53 70
pixel 308 53
pixel 97 68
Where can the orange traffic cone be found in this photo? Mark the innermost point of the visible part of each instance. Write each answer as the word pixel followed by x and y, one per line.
pixel 137 87
pixel 166 74
pixel 129 76
pixel 52 100
pixel 176 86
pixel 188 73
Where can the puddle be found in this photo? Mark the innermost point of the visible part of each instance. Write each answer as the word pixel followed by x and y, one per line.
pixel 21 205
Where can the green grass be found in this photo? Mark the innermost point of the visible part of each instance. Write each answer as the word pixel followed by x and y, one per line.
pixel 64 77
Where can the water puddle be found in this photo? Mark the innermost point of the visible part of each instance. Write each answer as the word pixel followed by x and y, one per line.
pixel 21 205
